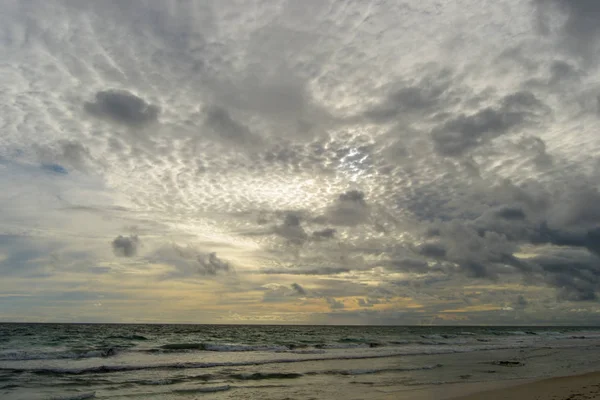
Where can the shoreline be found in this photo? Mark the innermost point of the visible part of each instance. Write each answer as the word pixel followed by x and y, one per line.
pixel 570 387
pixel 582 386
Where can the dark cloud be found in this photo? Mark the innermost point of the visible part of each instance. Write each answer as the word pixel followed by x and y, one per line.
pixel 306 271
pixel 326 233
pixel 433 249
pixel 521 303
pixel 511 213
pixel 574 272
pixel 299 289
pixel 412 265
pixel 580 28
pixel 125 246
pixel 55 168
pixel 466 131
pixel 291 229
pixel 228 129
pixel 535 148
pixel 567 223
pixel 415 98
pixel 123 107
pixel 562 71
pixel 350 209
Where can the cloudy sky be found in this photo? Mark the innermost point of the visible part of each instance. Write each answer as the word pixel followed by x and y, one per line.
pixel 300 161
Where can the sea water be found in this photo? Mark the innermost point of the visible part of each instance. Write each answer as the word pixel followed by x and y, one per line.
pixel 78 361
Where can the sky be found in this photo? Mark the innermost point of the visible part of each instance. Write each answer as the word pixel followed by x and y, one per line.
pixel 300 162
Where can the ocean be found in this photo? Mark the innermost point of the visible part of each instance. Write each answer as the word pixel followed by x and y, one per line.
pixel 111 361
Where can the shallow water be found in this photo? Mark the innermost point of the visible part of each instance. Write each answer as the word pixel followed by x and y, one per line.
pixel 46 361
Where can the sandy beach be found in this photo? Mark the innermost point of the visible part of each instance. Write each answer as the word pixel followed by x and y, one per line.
pixel 575 387
pixel 579 387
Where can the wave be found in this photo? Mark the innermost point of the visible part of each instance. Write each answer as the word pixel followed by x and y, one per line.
pixel 267 375
pixel 221 347
pixel 82 396
pixel 58 355
pixel 211 389
pixel 377 371
pixel 128 337
pixel 195 365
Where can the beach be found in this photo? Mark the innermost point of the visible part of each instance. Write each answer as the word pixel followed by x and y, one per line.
pixel 576 387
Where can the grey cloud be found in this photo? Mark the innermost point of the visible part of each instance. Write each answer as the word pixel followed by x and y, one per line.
pixel 368 302
pixel 465 132
pixel 306 270
pixel 414 98
pixel 478 254
pixel 536 149
pixel 578 206
pixel 580 29
pixel 335 304
pixel 55 168
pixel 433 249
pixel 299 289
pixel 291 229
pixel 350 209
pixel 327 233
pixel 190 261
pixel 125 246
pixel 521 303
pixel 228 129
pixel 511 213
pixel 415 266
pixel 562 71
pixel 484 247
pixel 575 272
pixel 276 293
pixel 123 107
pixel 68 152
pixel 589 239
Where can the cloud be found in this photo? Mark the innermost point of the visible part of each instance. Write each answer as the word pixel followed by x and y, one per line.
pixel 575 272
pixel 464 132
pixel 190 261
pixel 349 209
pixel 466 161
pixel 310 270
pixel 125 246
pixel 228 129
pixel 335 304
pixel 433 249
pixel 291 229
pixel 66 152
pixel 55 168
pixel 123 107
pixel 276 293
pixel 326 233
pixel 299 289
pixel 415 98
pixel 521 303
pixel 510 213
pixel 580 29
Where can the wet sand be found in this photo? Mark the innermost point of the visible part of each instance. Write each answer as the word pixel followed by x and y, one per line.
pixel 579 387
